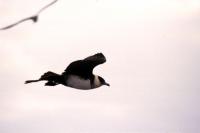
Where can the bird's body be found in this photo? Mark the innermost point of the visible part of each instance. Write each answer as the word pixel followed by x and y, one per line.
pixel 77 75
pixel 34 18
pixel 75 81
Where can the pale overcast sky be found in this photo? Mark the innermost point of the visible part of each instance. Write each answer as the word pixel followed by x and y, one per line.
pixel 153 53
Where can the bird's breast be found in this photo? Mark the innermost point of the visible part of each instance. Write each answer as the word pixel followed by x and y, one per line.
pixel 78 82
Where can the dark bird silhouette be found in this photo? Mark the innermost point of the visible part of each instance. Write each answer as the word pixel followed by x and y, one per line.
pixel 34 18
pixel 79 74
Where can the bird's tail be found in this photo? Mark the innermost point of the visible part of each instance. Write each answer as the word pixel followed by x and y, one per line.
pixel 51 77
pixel 30 81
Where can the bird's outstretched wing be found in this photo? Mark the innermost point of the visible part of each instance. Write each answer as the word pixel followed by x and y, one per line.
pixel 85 67
pixel 95 60
pixel 46 6
pixel 34 18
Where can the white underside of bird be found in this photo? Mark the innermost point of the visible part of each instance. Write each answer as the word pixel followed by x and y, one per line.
pixel 80 83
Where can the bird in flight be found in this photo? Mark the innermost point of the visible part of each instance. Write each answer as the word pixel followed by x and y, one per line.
pixel 79 74
pixel 34 18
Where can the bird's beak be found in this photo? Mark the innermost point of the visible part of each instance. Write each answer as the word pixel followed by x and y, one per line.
pixel 106 84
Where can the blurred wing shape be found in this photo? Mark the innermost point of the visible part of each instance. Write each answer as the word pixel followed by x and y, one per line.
pixel 34 18
pixel 47 6
pixel 12 25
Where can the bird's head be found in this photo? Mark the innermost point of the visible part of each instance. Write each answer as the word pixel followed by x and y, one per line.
pixel 103 82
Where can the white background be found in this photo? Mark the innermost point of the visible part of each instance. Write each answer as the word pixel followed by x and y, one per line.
pixel 152 50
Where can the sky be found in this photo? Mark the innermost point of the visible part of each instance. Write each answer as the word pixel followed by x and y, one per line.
pixel 152 49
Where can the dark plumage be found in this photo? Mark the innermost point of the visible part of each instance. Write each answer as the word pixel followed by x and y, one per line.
pixel 79 74
pixel 34 18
